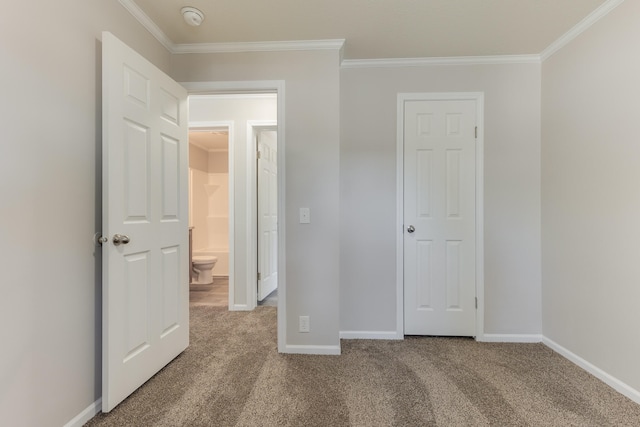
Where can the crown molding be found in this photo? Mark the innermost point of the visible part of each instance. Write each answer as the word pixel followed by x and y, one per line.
pixel 452 60
pixel 209 150
pixel 580 27
pixel 240 96
pixel 146 22
pixel 338 44
pixel 274 46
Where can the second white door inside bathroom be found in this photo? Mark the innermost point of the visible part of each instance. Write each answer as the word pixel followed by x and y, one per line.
pixel 267 195
pixel 237 221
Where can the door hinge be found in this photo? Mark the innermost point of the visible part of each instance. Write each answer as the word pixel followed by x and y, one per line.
pixel 476 303
pixel 258 155
pixel 476 132
pixel 260 278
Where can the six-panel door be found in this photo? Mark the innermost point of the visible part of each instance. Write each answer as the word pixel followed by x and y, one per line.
pixel 439 205
pixel 145 268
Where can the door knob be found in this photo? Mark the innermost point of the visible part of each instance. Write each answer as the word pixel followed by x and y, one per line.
pixel 120 239
pixel 411 229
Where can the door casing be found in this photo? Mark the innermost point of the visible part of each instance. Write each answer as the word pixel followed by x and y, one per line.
pixel 478 97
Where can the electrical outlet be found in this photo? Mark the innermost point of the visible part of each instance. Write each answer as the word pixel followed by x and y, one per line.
pixel 303 324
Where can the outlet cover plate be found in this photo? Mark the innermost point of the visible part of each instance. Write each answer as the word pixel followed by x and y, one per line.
pixel 303 324
pixel 305 216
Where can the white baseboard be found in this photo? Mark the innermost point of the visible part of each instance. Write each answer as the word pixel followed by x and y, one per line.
pixel 393 335
pixel 239 307
pixel 608 379
pixel 84 416
pixel 370 335
pixel 522 338
pixel 332 350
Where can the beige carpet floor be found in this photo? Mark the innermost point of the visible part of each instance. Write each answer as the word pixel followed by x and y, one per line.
pixel 232 375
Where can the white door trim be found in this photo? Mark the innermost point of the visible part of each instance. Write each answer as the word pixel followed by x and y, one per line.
pixel 478 97
pixel 268 86
pixel 229 125
pixel 253 127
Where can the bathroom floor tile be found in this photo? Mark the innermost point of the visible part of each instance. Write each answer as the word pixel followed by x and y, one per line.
pixel 215 294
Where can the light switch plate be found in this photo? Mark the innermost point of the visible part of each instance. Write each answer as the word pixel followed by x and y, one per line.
pixel 305 215
pixel 304 324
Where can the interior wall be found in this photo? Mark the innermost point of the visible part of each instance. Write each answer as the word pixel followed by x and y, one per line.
pixel 198 158
pixel 511 190
pixel 311 138
pixel 198 197
pixel 219 161
pixel 218 208
pixel 590 197
pixel 50 280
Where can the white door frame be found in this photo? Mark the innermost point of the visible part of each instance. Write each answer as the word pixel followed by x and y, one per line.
pixel 478 97
pixel 253 127
pixel 215 125
pixel 268 86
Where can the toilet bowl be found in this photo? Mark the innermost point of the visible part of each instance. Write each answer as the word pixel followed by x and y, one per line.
pixel 202 269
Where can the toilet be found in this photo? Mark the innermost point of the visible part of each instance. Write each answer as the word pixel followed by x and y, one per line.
pixel 203 269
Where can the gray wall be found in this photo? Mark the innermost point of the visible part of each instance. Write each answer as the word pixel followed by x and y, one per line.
pixel 511 182
pixel 50 367
pixel 590 197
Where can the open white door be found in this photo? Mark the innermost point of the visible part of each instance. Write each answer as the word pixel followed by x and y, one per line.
pixel 267 142
pixel 440 217
pixel 145 298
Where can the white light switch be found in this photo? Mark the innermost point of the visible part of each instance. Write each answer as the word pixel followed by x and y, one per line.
pixel 305 215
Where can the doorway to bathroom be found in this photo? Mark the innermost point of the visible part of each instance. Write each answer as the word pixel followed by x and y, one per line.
pixel 233 158
pixel 209 214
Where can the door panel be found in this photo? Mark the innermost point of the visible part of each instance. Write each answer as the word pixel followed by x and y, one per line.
pixel 439 203
pixel 145 279
pixel 170 178
pixel 171 287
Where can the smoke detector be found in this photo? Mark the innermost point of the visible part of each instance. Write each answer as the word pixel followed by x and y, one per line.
pixel 192 16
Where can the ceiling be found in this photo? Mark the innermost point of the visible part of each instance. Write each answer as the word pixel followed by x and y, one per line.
pixel 210 139
pixel 377 29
